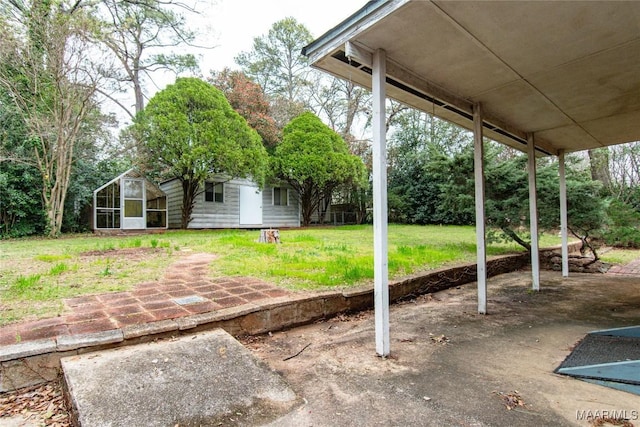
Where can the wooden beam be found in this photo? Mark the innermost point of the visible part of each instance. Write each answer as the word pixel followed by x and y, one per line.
pixel 355 51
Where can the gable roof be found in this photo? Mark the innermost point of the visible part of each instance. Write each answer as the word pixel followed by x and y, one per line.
pixel 151 187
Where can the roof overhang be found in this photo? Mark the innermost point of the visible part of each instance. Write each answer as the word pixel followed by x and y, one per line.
pixel 566 72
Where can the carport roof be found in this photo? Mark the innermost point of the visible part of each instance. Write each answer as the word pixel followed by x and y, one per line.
pixel 566 72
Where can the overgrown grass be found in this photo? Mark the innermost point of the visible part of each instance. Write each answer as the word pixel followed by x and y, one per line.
pixel 37 274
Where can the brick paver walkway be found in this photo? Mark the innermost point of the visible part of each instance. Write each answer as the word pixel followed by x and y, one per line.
pixel 631 269
pixel 184 290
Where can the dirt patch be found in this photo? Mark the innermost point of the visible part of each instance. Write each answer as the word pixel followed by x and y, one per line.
pixel 134 254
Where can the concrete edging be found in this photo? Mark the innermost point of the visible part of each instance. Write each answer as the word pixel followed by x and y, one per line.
pixel 35 362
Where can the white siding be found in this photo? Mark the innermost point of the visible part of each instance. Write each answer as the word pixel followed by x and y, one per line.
pixel 280 216
pixel 173 190
pixel 215 214
pixel 227 214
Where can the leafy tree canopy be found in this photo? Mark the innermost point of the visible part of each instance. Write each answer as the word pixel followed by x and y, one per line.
pixel 248 99
pixel 276 63
pixel 507 196
pixel 52 79
pixel 191 132
pixel 314 160
pixel 21 210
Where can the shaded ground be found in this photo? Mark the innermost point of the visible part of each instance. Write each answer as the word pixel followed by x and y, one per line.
pixel 40 405
pixel 451 366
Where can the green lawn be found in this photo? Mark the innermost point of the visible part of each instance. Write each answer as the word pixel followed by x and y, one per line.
pixel 36 274
pixel 619 255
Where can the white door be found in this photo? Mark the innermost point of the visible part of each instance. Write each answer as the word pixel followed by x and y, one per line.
pixel 133 202
pixel 250 205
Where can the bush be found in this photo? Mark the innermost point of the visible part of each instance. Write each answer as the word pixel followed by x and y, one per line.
pixel 624 229
pixel 622 237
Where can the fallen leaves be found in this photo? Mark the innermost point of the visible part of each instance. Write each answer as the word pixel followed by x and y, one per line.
pixel 350 317
pixel 439 339
pixel 43 404
pixel 511 400
pixel 602 421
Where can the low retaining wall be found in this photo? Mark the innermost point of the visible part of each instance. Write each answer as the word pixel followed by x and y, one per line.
pixel 36 362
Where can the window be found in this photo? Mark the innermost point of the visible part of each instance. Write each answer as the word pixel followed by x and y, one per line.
pixel 213 192
pixel 156 209
pixel 133 188
pixel 108 206
pixel 280 196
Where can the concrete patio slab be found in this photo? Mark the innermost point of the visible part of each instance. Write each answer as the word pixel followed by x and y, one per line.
pixel 206 379
pixel 450 366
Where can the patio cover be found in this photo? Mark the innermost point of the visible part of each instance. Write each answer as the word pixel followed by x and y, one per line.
pixel 543 77
pixel 567 72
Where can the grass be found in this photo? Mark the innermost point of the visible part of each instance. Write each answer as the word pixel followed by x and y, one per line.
pixel 620 255
pixel 37 274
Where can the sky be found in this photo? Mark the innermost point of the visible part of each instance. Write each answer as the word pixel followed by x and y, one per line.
pixel 231 25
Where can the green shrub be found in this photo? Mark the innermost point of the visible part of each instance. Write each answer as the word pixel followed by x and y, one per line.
pixel 624 228
pixel 622 236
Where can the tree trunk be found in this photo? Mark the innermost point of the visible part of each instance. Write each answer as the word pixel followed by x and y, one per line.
pixel 308 202
pixel 306 216
pixel 585 239
pixel 56 175
pixel 599 165
pixel 189 192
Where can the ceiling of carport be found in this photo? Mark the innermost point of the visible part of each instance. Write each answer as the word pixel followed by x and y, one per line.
pixel 566 72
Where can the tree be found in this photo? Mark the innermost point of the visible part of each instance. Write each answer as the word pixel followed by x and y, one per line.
pixel 21 211
pixel 507 196
pixel 599 162
pixel 624 185
pixel 191 132
pixel 418 152
pixel 276 63
pixel 95 163
pixel 248 99
pixel 587 216
pixel 141 35
pixel 314 160
pixel 340 101
pixel 48 72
